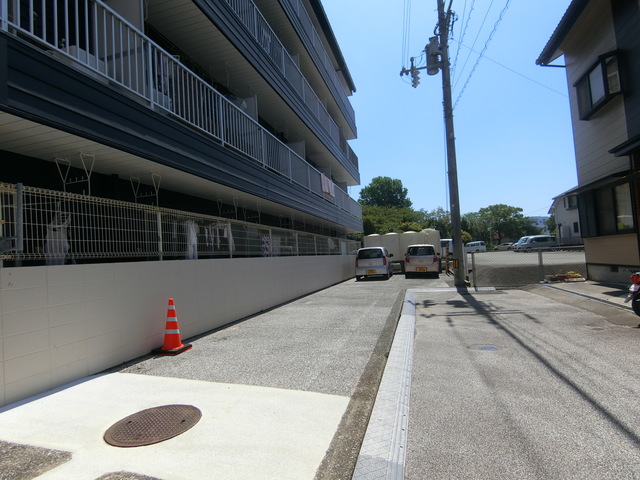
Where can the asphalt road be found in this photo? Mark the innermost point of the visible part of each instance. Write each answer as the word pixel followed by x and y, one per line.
pixel 522 384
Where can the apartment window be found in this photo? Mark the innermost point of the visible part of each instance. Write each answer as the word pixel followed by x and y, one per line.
pixel 598 85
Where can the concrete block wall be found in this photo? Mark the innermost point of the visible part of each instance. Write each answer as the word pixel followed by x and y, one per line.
pixel 62 323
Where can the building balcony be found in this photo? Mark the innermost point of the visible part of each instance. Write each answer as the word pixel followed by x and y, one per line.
pixel 97 42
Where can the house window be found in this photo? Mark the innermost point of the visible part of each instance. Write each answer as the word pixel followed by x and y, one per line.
pixel 572 201
pixel 598 85
pixel 576 227
pixel 607 211
pixel 624 212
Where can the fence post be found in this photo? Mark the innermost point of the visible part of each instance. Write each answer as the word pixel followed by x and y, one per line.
pixel 540 266
pixel 19 223
pixel 473 270
pixel 151 74
pixel 159 223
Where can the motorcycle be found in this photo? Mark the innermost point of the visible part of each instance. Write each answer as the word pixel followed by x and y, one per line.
pixel 633 293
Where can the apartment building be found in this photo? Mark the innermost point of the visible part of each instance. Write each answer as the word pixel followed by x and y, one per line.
pixel 138 134
pixel 597 42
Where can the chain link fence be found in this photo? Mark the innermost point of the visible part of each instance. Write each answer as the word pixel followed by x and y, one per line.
pixel 511 268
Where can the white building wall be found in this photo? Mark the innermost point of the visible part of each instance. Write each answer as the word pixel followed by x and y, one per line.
pixel 62 323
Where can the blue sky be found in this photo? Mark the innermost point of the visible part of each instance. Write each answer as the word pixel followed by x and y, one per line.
pixel 514 141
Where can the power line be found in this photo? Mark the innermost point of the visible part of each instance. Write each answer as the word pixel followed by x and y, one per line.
pixel 463 33
pixel 514 71
pixel 476 39
pixel 406 30
pixel 486 45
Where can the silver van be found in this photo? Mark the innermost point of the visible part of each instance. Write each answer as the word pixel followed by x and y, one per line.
pixel 536 242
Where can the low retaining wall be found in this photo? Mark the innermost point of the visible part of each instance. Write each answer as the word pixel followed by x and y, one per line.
pixel 62 323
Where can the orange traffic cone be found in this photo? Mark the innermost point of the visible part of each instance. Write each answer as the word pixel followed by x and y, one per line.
pixel 172 343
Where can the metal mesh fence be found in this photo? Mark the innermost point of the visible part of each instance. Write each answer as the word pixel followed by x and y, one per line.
pixel 510 268
pixel 58 228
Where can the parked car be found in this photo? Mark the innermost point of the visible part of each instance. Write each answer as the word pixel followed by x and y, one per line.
pixel 536 242
pixel 516 245
pixel 373 261
pixel 504 246
pixel 421 258
pixel 474 247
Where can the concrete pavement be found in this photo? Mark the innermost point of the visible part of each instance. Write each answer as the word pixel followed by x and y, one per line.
pixel 535 383
pixel 288 393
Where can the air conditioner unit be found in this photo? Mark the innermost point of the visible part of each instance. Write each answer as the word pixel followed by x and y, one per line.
pixel 86 58
pixel 81 60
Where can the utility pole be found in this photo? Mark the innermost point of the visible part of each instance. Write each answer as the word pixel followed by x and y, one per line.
pixel 437 51
pixel 454 197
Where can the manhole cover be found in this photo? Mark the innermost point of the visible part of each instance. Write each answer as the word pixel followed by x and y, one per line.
pixel 152 425
pixel 484 347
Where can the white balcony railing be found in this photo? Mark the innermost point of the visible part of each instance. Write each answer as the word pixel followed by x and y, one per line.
pixel 100 43
pixel 252 19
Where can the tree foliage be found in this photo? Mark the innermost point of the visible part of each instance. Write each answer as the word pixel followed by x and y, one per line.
pixel 551 224
pixel 383 219
pixel 385 192
pixel 386 208
pixel 498 222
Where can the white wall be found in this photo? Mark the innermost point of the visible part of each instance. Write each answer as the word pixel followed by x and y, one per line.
pixel 62 323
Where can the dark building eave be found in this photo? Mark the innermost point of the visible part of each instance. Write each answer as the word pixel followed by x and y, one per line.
pixel 321 15
pixel 552 50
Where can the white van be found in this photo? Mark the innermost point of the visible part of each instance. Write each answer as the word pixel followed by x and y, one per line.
pixel 475 247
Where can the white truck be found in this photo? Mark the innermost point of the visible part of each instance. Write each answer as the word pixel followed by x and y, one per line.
pixel 397 243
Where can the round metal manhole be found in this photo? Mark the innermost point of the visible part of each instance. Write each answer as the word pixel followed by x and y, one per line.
pixel 488 348
pixel 152 425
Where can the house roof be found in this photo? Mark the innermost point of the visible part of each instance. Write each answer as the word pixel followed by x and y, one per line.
pixel 552 50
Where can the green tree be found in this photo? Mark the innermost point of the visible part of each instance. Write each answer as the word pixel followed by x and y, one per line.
pixel 440 219
pixel 410 227
pixel 385 192
pixel 551 224
pixel 381 220
pixel 476 225
pixel 504 221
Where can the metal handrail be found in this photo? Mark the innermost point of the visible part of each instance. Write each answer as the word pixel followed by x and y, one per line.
pixel 57 227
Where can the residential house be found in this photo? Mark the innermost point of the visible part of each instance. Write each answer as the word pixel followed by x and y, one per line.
pixel 137 134
pixel 565 211
pixel 597 42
